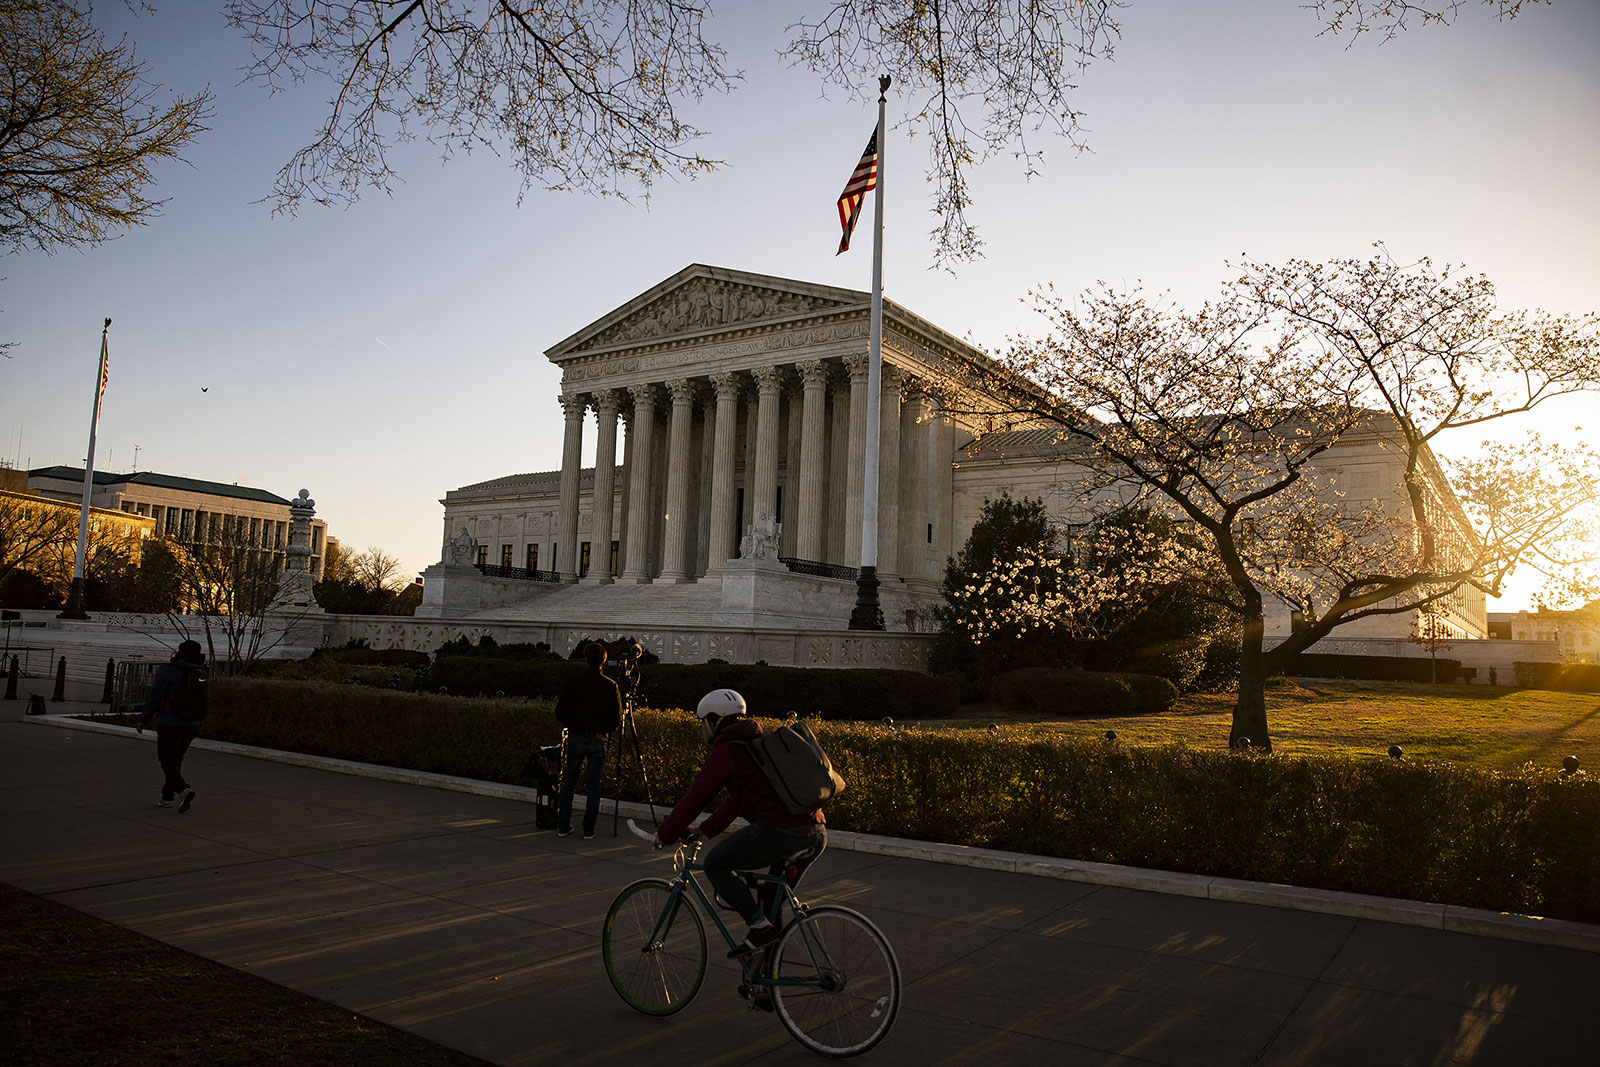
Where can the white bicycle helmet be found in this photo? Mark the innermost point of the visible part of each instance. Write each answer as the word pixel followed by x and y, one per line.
pixel 720 702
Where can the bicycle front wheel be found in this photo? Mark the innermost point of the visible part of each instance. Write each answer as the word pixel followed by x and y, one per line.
pixel 654 947
pixel 838 982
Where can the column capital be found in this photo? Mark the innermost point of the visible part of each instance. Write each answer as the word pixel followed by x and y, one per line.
pixel 727 384
pixel 891 376
pixel 769 379
pixel 574 404
pixel 645 393
pixel 812 371
pixel 607 402
pixel 858 366
pixel 683 391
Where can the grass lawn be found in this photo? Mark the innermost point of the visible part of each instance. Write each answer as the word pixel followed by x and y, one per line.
pixel 79 990
pixel 1494 727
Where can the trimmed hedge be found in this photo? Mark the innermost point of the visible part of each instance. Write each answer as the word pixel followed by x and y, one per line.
pixel 1565 677
pixel 1379 668
pixel 1432 831
pixel 769 691
pixel 480 676
pixel 1062 692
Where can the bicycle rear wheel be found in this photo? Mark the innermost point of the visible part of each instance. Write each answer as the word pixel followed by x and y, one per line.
pixel 655 960
pixel 850 982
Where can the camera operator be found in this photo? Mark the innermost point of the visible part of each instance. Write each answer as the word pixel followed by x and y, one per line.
pixel 590 707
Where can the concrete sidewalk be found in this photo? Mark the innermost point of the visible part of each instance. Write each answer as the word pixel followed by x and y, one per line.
pixel 451 915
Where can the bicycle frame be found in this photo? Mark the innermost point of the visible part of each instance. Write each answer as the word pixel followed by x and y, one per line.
pixel 684 883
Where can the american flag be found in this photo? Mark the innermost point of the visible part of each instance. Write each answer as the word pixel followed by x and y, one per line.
pixel 105 369
pixel 862 182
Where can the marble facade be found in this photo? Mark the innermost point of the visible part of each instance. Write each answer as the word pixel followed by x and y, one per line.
pixel 728 414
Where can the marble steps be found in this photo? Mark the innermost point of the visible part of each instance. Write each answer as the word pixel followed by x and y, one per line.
pixel 655 604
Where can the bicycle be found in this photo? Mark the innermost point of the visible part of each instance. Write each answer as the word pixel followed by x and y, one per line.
pixel 832 976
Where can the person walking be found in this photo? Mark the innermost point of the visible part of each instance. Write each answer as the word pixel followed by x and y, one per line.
pixel 177 703
pixel 590 707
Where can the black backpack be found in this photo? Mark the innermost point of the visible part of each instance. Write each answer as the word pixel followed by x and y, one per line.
pixel 189 698
pixel 800 772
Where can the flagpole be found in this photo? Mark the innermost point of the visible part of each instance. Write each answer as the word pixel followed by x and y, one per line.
pixel 74 607
pixel 868 614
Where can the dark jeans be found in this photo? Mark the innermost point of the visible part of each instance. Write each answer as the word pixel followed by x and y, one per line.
pixel 755 848
pixel 171 743
pixel 581 747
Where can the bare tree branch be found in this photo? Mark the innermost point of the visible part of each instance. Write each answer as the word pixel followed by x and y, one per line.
pixel 79 129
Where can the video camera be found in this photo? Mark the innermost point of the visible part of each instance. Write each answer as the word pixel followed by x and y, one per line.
pixel 627 655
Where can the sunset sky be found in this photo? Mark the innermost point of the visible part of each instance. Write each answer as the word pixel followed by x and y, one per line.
pixel 382 355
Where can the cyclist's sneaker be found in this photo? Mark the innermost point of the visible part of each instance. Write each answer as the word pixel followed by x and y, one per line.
pixel 588 835
pixel 564 833
pixel 758 938
pixel 184 800
pixel 164 802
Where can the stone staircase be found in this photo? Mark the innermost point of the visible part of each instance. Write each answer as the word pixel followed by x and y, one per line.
pixel 658 604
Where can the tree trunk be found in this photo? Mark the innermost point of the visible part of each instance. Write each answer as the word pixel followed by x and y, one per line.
pixel 1250 713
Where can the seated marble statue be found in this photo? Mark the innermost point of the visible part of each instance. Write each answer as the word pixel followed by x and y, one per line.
pixel 462 549
pixel 762 540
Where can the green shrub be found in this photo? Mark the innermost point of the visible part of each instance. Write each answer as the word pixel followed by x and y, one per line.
pixel 1056 691
pixel 1566 677
pixel 1380 668
pixel 1152 693
pixel 370 666
pixel 814 693
pixel 1432 831
pixel 769 691
pixel 472 675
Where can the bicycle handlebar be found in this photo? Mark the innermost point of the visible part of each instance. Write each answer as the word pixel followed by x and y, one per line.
pixel 688 837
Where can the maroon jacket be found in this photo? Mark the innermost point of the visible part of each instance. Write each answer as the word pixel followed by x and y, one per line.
pixel 750 795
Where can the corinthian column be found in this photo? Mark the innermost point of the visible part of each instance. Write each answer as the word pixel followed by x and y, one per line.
pixel 856 472
pixel 769 386
pixel 606 404
pixel 889 473
pixel 725 433
pixel 571 459
pixel 915 431
pixel 807 505
pixel 674 561
pixel 642 441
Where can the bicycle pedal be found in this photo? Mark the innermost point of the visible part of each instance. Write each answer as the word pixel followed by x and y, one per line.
pixel 756 997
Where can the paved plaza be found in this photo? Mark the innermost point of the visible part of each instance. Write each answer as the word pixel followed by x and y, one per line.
pixel 451 915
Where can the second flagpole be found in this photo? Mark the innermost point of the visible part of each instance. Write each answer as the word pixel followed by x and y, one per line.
pixel 868 613
pixel 74 607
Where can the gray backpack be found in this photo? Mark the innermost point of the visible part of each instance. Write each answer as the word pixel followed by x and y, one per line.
pixel 797 767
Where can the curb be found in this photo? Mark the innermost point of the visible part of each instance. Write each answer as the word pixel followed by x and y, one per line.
pixel 1559 933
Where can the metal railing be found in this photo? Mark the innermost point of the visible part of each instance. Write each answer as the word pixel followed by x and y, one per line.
pixel 521 574
pixel 131 684
pixel 33 661
pixel 818 570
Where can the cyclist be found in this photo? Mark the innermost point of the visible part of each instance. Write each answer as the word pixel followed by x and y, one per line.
pixel 776 836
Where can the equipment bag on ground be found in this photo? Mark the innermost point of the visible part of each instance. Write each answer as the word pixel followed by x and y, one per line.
pixel 797 767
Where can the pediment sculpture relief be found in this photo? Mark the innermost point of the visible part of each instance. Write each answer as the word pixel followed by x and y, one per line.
pixel 704 305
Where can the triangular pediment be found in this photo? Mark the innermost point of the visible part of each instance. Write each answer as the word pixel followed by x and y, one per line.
pixel 699 300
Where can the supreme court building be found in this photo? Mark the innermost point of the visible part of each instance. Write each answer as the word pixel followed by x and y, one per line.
pixel 729 414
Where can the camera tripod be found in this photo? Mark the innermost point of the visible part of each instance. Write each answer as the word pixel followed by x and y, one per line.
pixel 628 682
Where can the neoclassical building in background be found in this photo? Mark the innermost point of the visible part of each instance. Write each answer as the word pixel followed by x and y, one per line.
pixel 728 415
